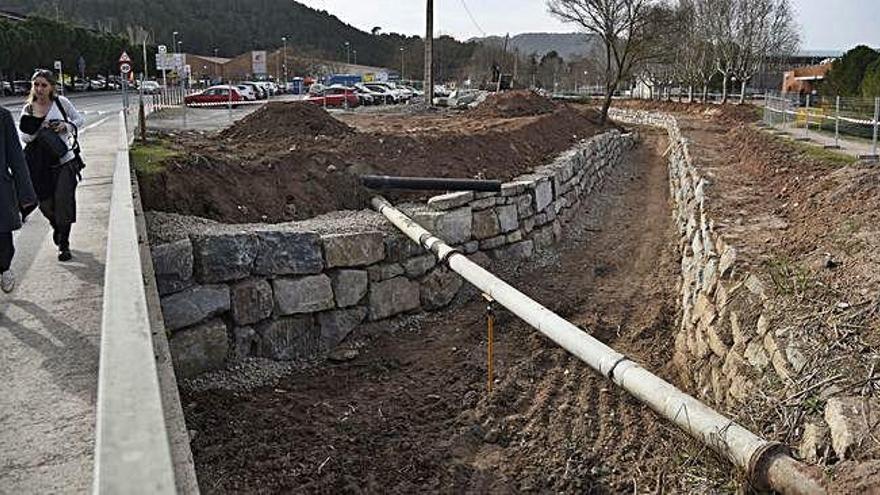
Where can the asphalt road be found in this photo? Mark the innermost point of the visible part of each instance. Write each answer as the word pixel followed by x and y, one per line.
pixel 92 105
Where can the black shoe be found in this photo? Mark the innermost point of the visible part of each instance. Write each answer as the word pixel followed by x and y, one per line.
pixel 64 255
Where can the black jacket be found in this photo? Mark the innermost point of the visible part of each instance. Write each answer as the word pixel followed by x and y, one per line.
pixel 15 182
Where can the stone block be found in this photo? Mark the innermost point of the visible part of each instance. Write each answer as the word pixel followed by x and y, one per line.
pixel 481 259
pixel 470 247
pixel 303 295
pixel 814 442
pixel 358 249
pixel 199 349
pixel 251 301
pixel 728 258
pixel 777 358
pixel 245 343
pixel 521 250
pixel 482 204
pixel 717 341
pixel 391 297
pixel 336 325
pixel 224 257
pixel 288 253
pixel 756 355
pixel 515 236
pixel 453 226
pixel 543 238
pixel 286 339
pixel 451 200
pixel 418 266
pixel 349 286
pixel 439 288
pixel 173 265
pixel 507 218
pixel 528 225
pixel 851 420
pixel 710 276
pixel 398 247
pixel 194 305
pixel 756 287
pixel 485 224
pixel 513 188
pixel 493 243
pixel 543 195
pixel 525 205
pixel 385 271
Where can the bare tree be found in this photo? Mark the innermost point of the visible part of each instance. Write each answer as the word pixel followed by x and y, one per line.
pixel 767 28
pixel 626 27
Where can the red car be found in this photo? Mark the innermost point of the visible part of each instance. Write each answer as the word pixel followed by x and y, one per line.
pixel 214 94
pixel 335 97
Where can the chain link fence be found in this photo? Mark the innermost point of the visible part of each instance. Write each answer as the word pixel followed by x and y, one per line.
pixel 836 122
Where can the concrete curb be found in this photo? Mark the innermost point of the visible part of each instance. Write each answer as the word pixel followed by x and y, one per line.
pixel 132 453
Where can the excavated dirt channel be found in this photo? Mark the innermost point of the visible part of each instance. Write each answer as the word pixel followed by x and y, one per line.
pixel 410 412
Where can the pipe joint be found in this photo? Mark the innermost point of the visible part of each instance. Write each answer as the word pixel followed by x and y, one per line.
pixel 614 366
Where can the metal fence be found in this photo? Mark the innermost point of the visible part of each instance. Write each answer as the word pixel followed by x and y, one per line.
pixel 833 120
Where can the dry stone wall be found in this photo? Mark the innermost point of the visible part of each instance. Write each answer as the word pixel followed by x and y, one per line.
pixel 286 292
pixel 725 339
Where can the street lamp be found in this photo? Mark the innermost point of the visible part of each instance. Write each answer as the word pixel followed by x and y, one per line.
pixel 215 53
pixel 347 52
pixel 174 41
pixel 355 53
pixel 284 40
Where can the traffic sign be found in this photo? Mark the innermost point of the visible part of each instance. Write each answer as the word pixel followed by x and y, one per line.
pixel 124 58
pixel 57 65
pixel 125 68
pixel 163 49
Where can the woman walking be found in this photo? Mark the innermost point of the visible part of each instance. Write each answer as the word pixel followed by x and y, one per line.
pixel 49 127
pixel 16 194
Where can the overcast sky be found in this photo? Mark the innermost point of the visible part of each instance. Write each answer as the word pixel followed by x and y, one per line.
pixel 826 24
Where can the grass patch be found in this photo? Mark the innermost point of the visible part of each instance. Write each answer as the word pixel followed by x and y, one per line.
pixel 821 154
pixel 150 158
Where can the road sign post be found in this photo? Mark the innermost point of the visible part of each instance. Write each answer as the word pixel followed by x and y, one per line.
pixel 124 70
pixel 163 50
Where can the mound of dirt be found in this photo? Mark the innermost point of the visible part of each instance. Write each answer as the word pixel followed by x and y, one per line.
pixel 261 171
pixel 283 121
pixel 726 114
pixel 513 104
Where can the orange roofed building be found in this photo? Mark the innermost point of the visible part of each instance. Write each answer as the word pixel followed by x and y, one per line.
pixel 805 80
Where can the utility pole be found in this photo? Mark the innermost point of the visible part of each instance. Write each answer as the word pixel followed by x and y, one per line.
pixel 429 55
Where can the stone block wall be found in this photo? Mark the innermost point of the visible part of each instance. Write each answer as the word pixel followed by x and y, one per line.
pixel 291 291
pixel 725 338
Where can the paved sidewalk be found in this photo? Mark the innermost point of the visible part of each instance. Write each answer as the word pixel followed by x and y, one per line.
pixel 850 147
pixel 50 337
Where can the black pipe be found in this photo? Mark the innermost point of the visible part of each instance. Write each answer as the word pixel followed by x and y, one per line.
pixel 429 183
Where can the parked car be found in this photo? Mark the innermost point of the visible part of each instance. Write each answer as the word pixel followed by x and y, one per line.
pixel 366 96
pixel 97 84
pixel 21 87
pixel 214 94
pixel 335 96
pixel 151 87
pixel 388 95
pixel 247 92
pixel 259 90
pixel 80 84
pixel 6 89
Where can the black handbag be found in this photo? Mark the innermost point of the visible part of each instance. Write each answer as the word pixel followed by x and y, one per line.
pixel 52 142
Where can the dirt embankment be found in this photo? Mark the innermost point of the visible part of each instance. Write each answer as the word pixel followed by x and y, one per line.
pixel 292 161
pixel 411 414
pixel 807 221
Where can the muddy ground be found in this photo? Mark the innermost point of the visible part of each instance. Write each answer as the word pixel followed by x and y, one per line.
pixel 293 161
pixel 411 412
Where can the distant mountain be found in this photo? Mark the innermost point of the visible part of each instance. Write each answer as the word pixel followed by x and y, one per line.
pixel 232 27
pixel 567 45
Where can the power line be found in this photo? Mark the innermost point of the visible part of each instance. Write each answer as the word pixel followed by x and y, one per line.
pixel 476 24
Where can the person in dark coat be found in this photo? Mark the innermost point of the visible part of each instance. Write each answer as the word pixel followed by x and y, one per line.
pixel 54 177
pixel 16 194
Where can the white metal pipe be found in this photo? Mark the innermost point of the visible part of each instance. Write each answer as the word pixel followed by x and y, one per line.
pixel 744 449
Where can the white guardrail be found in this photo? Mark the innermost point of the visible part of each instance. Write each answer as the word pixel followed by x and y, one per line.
pixel 132 450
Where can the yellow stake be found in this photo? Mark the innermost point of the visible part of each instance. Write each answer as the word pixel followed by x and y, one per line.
pixel 490 320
